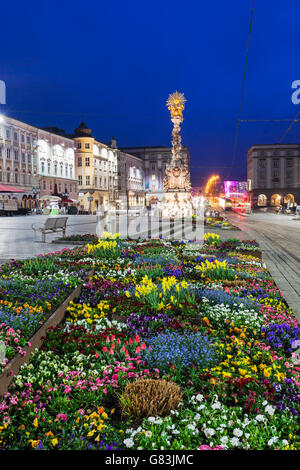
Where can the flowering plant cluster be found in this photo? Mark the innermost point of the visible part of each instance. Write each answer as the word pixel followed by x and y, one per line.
pixel 153 311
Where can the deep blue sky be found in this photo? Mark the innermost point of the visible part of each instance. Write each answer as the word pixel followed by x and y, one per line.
pixel 115 62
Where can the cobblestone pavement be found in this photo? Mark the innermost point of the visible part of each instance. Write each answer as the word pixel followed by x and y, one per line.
pixel 279 238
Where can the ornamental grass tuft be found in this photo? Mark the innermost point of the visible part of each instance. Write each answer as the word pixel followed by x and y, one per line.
pixel 150 397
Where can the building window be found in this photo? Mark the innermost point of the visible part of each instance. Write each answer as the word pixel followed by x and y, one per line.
pixel 23 158
pixel 50 185
pixel 7 134
pixel 8 154
pixel 55 168
pixel 28 139
pixel 87 180
pixel 276 163
pixel 16 177
pixel 87 146
pixel 262 163
pixel 66 168
pixel 80 180
pixel 59 187
pixel 29 159
pixel 87 161
pixel 79 145
pixel 79 161
pixel 70 188
pixel 71 172
pixel 44 185
pixel 16 155
pixel 23 138
pixel 49 168
pixel 15 136
pixel 42 167
pixel 96 181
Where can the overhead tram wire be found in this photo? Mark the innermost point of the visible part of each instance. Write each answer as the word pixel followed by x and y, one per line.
pixel 294 121
pixel 242 92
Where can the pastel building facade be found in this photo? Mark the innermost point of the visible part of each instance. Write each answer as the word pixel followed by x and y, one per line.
pixel 96 167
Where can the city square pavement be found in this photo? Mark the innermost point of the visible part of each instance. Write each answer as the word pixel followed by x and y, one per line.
pixel 19 241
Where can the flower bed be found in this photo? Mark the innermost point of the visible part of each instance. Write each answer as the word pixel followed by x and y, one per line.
pixel 219 222
pixel 168 346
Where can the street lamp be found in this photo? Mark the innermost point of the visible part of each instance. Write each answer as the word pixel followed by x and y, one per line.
pixel 36 190
pixel 90 199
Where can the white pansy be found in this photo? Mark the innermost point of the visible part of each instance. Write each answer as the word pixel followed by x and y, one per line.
pixel 129 443
pixel 209 432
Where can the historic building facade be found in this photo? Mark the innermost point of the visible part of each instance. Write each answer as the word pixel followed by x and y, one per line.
pixel 131 181
pixel 18 159
pixel 56 165
pixel 96 167
pixel 155 160
pixel 273 173
pixel 36 161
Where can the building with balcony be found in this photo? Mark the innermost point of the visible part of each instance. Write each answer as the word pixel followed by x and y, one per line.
pixel 96 167
pixel 273 174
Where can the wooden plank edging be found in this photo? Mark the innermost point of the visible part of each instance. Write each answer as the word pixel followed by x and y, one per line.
pixel 13 366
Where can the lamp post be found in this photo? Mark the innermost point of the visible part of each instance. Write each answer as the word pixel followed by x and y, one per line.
pixel 36 190
pixel 90 199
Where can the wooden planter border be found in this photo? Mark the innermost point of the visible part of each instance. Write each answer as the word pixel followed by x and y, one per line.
pixel 13 366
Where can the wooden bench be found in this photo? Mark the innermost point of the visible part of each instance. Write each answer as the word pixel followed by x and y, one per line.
pixel 51 225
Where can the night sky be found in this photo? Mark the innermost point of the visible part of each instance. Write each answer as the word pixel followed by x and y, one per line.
pixel 115 63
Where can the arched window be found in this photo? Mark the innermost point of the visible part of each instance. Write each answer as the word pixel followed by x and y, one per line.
pixel 289 198
pixel 262 200
pixel 275 200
